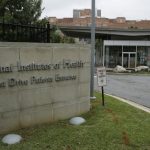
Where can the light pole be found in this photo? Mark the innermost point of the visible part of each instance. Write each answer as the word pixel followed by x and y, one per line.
pixel 92 48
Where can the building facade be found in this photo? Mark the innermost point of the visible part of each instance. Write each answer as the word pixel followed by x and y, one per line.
pixel 128 54
pixel 120 41
pixel 83 13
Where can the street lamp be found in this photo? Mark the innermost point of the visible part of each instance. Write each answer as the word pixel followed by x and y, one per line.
pixel 92 48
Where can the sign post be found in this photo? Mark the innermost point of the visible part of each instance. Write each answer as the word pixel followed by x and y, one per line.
pixel 101 80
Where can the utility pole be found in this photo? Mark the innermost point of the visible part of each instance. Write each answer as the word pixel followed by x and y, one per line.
pixel 92 49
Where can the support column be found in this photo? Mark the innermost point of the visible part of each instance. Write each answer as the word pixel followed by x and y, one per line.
pixel 107 57
pixel 136 58
pixel 103 55
pixel 122 55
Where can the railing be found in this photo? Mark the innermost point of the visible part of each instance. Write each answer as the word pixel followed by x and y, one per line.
pixel 24 33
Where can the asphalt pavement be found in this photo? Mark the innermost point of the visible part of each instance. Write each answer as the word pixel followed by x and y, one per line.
pixel 131 87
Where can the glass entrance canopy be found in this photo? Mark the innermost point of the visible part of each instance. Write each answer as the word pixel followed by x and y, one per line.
pixel 128 54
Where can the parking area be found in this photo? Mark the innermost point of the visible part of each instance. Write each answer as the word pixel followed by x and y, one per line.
pixel 131 87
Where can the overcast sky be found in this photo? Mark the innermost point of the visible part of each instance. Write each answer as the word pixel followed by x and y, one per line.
pixel 131 9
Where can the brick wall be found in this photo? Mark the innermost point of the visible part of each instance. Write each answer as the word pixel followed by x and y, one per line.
pixel 119 22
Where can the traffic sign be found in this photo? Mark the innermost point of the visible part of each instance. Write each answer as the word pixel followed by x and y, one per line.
pixel 101 76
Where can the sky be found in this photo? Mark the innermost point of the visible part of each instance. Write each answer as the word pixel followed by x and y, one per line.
pixel 131 9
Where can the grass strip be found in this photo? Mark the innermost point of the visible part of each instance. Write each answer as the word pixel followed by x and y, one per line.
pixel 117 126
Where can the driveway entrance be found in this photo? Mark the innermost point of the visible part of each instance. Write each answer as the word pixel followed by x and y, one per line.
pixel 134 88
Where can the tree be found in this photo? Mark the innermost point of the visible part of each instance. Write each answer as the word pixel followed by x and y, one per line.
pixel 20 11
pixel 57 36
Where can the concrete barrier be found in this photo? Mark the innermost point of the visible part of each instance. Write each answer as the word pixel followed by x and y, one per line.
pixel 42 83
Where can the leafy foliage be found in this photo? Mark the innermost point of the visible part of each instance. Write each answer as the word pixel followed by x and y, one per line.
pixel 58 37
pixel 20 11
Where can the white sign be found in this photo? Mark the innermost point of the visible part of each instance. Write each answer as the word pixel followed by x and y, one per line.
pixel 101 76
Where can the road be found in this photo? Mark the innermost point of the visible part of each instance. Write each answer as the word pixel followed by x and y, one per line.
pixel 134 88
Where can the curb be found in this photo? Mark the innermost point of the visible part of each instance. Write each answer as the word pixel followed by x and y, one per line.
pixel 133 74
pixel 146 109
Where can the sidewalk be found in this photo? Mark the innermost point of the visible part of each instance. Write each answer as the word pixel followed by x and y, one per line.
pixel 146 109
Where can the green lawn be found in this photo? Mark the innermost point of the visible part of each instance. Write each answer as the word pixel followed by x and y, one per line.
pixel 117 126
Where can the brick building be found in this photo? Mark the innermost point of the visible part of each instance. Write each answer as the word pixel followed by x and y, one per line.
pixel 83 18
pixel 83 13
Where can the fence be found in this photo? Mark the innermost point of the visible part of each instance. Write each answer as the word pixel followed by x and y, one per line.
pixel 24 33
